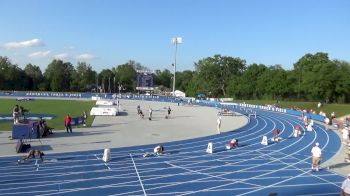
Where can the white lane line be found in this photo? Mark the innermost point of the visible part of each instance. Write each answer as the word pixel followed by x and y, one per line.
pixel 221 141
pixel 272 185
pixel 319 194
pixel 213 176
pixel 144 192
pixel 105 164
pixel 329 182
pixel 98 158
pixel 315 136
pixel 236 171
pixel 37 165
pixel 286 180
pixel 283 123
pixel 221 138
pixel 54 191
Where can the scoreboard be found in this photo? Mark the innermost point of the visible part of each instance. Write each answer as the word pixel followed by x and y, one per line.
pixel 144 81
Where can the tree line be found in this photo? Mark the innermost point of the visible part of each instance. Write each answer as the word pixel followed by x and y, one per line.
pixel 314 77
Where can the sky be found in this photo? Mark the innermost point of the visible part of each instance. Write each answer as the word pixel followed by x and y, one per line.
pixel 107 33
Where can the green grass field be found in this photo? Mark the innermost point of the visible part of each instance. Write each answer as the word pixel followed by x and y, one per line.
pixel 59 108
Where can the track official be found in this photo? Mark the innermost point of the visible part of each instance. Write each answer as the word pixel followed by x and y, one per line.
pixel 316 157
pixel 345 187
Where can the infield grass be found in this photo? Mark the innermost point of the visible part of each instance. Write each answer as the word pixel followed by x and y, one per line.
pixel 59 108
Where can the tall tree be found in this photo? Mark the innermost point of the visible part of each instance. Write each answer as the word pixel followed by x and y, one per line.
pixel 11 76
pixel 215 73
pixel 35 76
pixel 84 78
pixel 183 79
pixel 106 78
pixel 342 85
pixel 275 82
pixel 126 76
pixel 316 76
pixel 246 86
pixel 59 75
pixel 5 65
pixel 163 78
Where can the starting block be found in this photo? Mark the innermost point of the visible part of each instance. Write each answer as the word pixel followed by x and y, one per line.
pixel 106 155
pixel 264 141
pixel 210 148
pixel 147 154
pixel 276 140
pixel 296 133
pixel 309 128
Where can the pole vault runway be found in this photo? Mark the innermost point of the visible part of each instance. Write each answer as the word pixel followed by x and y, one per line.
pixel 281 168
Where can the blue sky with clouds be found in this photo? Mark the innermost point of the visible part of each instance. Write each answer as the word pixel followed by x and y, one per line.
pixel 107 33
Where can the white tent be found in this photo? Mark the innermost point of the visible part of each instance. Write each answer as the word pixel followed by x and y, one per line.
pixel 179 93
pixel 104 111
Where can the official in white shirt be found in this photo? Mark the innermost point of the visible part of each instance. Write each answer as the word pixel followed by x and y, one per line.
pixel 316 156
pixel 345 187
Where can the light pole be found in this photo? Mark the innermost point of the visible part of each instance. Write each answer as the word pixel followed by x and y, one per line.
pixel 176 41
pixel 109 84
pixel 114 84
pixel 120 87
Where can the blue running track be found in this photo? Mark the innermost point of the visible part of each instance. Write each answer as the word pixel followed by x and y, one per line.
pixel 282 168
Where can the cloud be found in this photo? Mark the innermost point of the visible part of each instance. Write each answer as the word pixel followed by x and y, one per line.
pixel 62 56
pixel 85 57
pixel 23 44
pixel 69 47
pixel 39 54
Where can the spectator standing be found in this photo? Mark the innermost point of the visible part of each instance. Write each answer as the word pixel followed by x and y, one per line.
pixel 345 135
pixel 345 187
pixel 305 120
pixel 225 108
pixel 67 123
pixel 84 118
pixel 327 122
pixel 316 156
pixel 45 130
pixel 15 114
pixel 150 111
pixel 333 115
pixel 141 114
pixel 169 111
pixel 218 124
pixel 346 121
pixel 138 109
pixel 309 127
pixel 42 126
pixel 311 122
